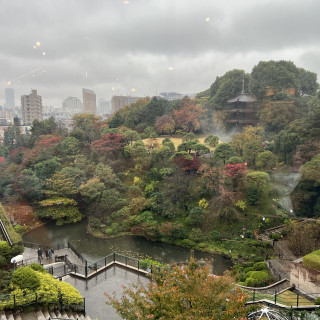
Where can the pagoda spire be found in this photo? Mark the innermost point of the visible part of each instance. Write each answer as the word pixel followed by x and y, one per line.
pixel 242 92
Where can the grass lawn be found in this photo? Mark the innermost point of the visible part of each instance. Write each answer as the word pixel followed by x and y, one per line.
pixel 178 140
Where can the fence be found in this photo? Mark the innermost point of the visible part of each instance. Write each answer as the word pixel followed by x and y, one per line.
pixel 43 247
pixel 5 233
pixel 61 302
pixel 283 298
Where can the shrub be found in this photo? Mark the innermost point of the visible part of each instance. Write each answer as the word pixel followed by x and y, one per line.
pixel 188 243
pixel 312 260
pixel 251 282
pixel 260 266
pixel 275 236
pixel 26 278
pixel 108 231
pixel 196 235
pixel 37 267
pixel 196 216
pixel 248 269
pixel 317 301
pixel 215 235
pixel 95 223
pixel 3 261
pixel 261 278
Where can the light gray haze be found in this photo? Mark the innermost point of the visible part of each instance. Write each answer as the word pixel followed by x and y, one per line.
pixel 142 47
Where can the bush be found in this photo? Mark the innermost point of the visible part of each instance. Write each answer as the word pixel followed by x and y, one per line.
pixel 275 236
pixel 188 243
pixel 196 216
pixel 215 235
pixel 261 278
pixel 260 266
pixel 196 235
pixel 312 260
pixel 317 301
pixel 37 267
pixel 108 231
pixel 95 223
pixel 248 269
pixel 26 278
pixel 3 261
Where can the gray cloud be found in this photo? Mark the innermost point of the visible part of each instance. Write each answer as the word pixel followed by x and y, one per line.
pixel 109 44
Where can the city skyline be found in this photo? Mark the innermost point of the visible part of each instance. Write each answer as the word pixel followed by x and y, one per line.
pixel 142 48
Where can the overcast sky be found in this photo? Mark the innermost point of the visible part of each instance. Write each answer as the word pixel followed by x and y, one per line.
pixel 143 47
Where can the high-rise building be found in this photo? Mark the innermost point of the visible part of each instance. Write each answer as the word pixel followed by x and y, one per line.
pixel 72 105
pixel 9 93
pixel 31 107
pixel 118 102
pixel 89 101
pixel 104 107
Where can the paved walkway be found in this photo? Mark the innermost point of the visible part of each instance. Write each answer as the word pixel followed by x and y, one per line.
pixel 32 253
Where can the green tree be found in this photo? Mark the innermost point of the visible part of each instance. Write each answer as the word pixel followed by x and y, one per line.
pixel 266 160
pixel 212 141
pixel 187 293
pixel 70 147
pixel 45 169
pixel 86 127
pixel 226 87
pixel 258 180
pixel 248 144
pixel 223 152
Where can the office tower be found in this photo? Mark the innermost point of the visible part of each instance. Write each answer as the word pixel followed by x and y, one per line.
pixel 31 107
pixel 89 101
pixel 9 93
pixel 118 102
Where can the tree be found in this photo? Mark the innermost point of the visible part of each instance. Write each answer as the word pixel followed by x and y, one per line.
pixel 236 171
pixel 86 127
pixel 223 152
pixel 258 180
pixel 277 115
pixel 226 87
pixel 188 117
pixel 155 108
pixel 311 170
pixel 212 141
pixel 70 147
pixel 281 75
pixel 188 292
pixel 44 127
pixel 63 210
pixel 214 178
pixel 248 144
pixel 266 160
pixel 111 143
pixel 45 169
pixel 165 124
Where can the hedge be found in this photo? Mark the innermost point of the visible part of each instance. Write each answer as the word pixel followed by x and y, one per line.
pixel 257 278
pixel 15 238
pixel 312 260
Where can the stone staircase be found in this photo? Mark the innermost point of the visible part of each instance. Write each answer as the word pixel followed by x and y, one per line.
pixel 42 315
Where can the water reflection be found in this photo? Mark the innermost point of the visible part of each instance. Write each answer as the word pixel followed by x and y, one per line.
pixel 93 248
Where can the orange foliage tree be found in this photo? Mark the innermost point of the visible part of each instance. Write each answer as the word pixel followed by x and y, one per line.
pixel 188 117
pixel 188 292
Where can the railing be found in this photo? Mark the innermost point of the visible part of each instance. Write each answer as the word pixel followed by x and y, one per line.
pixel 88 268
pixel 5 233
pixel 43 247
pixel 292 300
pixel 75 251
pixel 62 302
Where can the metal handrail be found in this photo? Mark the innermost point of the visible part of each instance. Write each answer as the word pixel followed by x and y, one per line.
pixel 5 233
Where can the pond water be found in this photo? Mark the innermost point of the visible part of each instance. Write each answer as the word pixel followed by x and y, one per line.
pixel 137 247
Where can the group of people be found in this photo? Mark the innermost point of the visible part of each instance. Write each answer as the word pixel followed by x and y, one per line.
pixel 48 252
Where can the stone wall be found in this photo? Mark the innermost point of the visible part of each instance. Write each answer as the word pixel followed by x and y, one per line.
pixel 305 278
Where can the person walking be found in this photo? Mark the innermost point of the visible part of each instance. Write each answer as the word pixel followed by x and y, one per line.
pixel 39 254
pixel 50 252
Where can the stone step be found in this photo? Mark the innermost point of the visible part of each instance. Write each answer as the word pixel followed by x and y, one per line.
pixel 46 314
pixel 40 315
pixel 9 315
pixel 2 315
